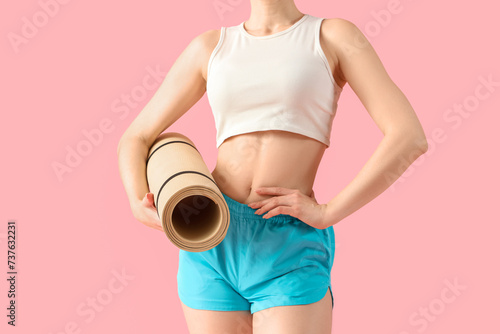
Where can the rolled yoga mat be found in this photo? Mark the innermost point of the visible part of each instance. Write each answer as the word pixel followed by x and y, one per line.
pixel 193 212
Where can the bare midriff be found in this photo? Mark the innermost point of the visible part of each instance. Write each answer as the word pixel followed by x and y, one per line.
pixel 270 158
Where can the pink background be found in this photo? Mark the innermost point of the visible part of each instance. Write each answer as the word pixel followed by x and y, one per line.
pixel 438 224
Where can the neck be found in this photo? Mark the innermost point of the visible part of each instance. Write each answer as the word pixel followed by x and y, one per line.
pixel 269 15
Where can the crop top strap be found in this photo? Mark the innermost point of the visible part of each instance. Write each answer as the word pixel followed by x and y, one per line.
pixel 319 49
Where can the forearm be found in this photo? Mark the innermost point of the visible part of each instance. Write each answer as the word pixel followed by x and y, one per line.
pixel 132 155
pixel 382 169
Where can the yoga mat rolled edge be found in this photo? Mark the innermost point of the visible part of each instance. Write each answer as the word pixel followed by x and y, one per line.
pixel 194 215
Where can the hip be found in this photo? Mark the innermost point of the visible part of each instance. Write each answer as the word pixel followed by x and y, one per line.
pixel 255 246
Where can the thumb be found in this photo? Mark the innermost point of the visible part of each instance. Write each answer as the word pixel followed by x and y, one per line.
pixel 149 199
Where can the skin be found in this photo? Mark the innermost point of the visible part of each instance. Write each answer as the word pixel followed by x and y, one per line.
pixel 255 168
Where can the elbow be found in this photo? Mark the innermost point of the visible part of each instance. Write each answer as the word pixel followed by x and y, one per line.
pixel 420 141
pixel 418 144
pixel 424 146
pixel 127 139
pixel 412 141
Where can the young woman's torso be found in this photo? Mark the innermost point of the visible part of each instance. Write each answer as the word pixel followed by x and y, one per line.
pixel 270 158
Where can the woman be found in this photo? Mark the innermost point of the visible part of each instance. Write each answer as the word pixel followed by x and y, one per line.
pixel 273 83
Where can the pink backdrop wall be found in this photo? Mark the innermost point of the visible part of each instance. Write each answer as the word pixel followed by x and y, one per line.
pixel 86 266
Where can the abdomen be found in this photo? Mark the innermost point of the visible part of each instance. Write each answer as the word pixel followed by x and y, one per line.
pixel 266 159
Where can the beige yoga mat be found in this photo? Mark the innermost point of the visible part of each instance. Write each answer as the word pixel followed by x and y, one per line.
pixel 193 212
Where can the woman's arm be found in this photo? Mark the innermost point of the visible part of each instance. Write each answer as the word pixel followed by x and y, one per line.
pixel 404 138
pixel 181 88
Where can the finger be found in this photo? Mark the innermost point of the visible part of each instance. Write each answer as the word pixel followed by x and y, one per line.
pixel 274 190
pixel 270 191
pixel 156 227
pixel 284 210
pixel 157 223
pixel 273 202
pixel 155 216
pixel 148 200
pixel 260 204
pixel 152 199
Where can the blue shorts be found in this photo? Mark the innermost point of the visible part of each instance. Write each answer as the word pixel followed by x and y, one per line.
pixel 261 263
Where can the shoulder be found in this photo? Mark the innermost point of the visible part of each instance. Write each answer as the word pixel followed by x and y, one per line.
pixel 340 30
pixel 339 23
pixel 342 35
pixel 203 45
pixel 340 26
pixel 344 40
pixel 206 40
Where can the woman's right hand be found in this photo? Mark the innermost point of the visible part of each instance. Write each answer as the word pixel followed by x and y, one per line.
pixel 145 212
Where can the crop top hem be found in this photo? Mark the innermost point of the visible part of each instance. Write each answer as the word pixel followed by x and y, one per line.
pixel 308 134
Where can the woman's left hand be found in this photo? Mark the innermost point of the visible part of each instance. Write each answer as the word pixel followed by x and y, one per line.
pixel 291 202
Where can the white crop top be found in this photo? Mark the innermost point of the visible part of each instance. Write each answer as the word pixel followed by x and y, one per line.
pixel 276 82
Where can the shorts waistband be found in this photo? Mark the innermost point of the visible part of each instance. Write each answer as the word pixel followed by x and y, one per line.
pixel 242 211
